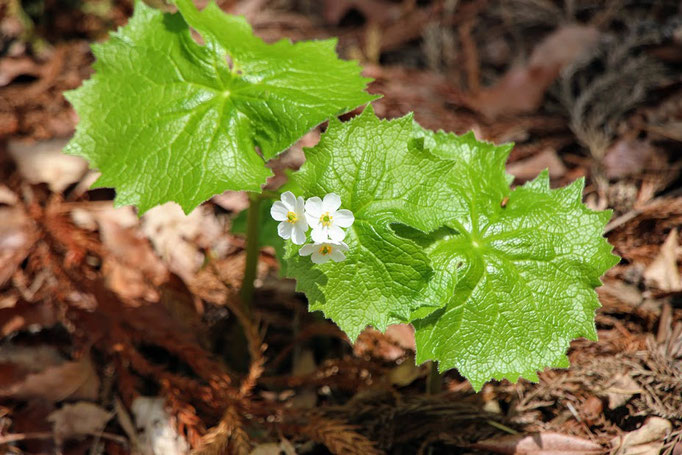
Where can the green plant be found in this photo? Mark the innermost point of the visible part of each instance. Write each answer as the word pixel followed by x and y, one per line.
pixel 415 226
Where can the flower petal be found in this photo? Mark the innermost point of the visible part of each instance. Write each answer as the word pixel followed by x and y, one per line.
pixel 336 234
pixel 313 207
pixel 311 220
pixel 302 224
pixel 341 246
pixel 298 235
pixel 344 218
pixel 307 250
pixel 279 211
pixel 300 206
pixel 284 229
pixel 289 200
pixel 331 202
pixel 318 258
pixel 319 235
pixel 337 256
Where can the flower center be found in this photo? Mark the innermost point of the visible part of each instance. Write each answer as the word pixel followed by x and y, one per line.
pixel 292 217
pixel 326 219
pixel 325 250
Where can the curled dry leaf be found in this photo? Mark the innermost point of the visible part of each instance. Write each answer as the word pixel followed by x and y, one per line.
pixel 522 89
pixel 647 440
pixel 626 157
pixel 538 444
pixel 621 389
pixel 179 238
pixel 11 68
pixel 663 272
pixel 44 162
pixel 59 380
pixel 15 240
pixel 77 420
pixel 529 168
pixel 132 269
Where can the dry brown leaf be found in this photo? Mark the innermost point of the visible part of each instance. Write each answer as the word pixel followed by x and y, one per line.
pixel 540 444
pixel 7 196
pixel 232 201
pixel 529 168
pixel 663 272
pixel 647 440
pixel 522 89
pixel 132 269
pixel 626 157
pixel 11 68
pixel 179 238
pixel 44 162
pixel 621 390
pixel 77 420
pixel 15 240
pixel 72 379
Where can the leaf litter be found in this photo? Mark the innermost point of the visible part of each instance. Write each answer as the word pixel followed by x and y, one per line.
pixel 99 308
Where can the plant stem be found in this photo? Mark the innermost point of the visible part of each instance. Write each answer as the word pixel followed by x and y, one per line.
pixel 434 383
pixel 252 250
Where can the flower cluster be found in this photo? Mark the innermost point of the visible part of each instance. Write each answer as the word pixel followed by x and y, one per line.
pixel 325 218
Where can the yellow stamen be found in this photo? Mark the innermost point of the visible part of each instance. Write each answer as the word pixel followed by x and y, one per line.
pixel 325 250
pixel 292 217
pixel 326 220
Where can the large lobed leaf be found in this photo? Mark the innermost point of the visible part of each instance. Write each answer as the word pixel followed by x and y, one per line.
pixel 166 119
pixel 384 179
pixel 496 282
pixel 529 262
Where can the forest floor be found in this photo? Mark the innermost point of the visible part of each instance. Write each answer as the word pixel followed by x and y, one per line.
pixel 121 335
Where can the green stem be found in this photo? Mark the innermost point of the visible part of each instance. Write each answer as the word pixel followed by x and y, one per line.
pixel 252 250
pixel 434 383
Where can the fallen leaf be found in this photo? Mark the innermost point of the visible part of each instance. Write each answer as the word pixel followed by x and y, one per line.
pixel 74 421
pixel 522 89
pixel 44 162
pixel 59 380
pixel 232 201
pixel 626 157
pixel 647 440
pixel 132 269
pixel 662 273
pixel 15 240
pixel 539 444
pixel 179 238
pixel 621 389
pixel 11 68
pixel 7 196
pixel 592 408
pixel 529 168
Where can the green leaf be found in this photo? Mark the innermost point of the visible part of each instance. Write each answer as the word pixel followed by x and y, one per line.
pixel 387 180
pixel 166 119
pixel 528 261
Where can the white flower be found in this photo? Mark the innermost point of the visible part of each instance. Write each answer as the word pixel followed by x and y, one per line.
pixel 326 219
pixel 324 251
pixel 290 211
